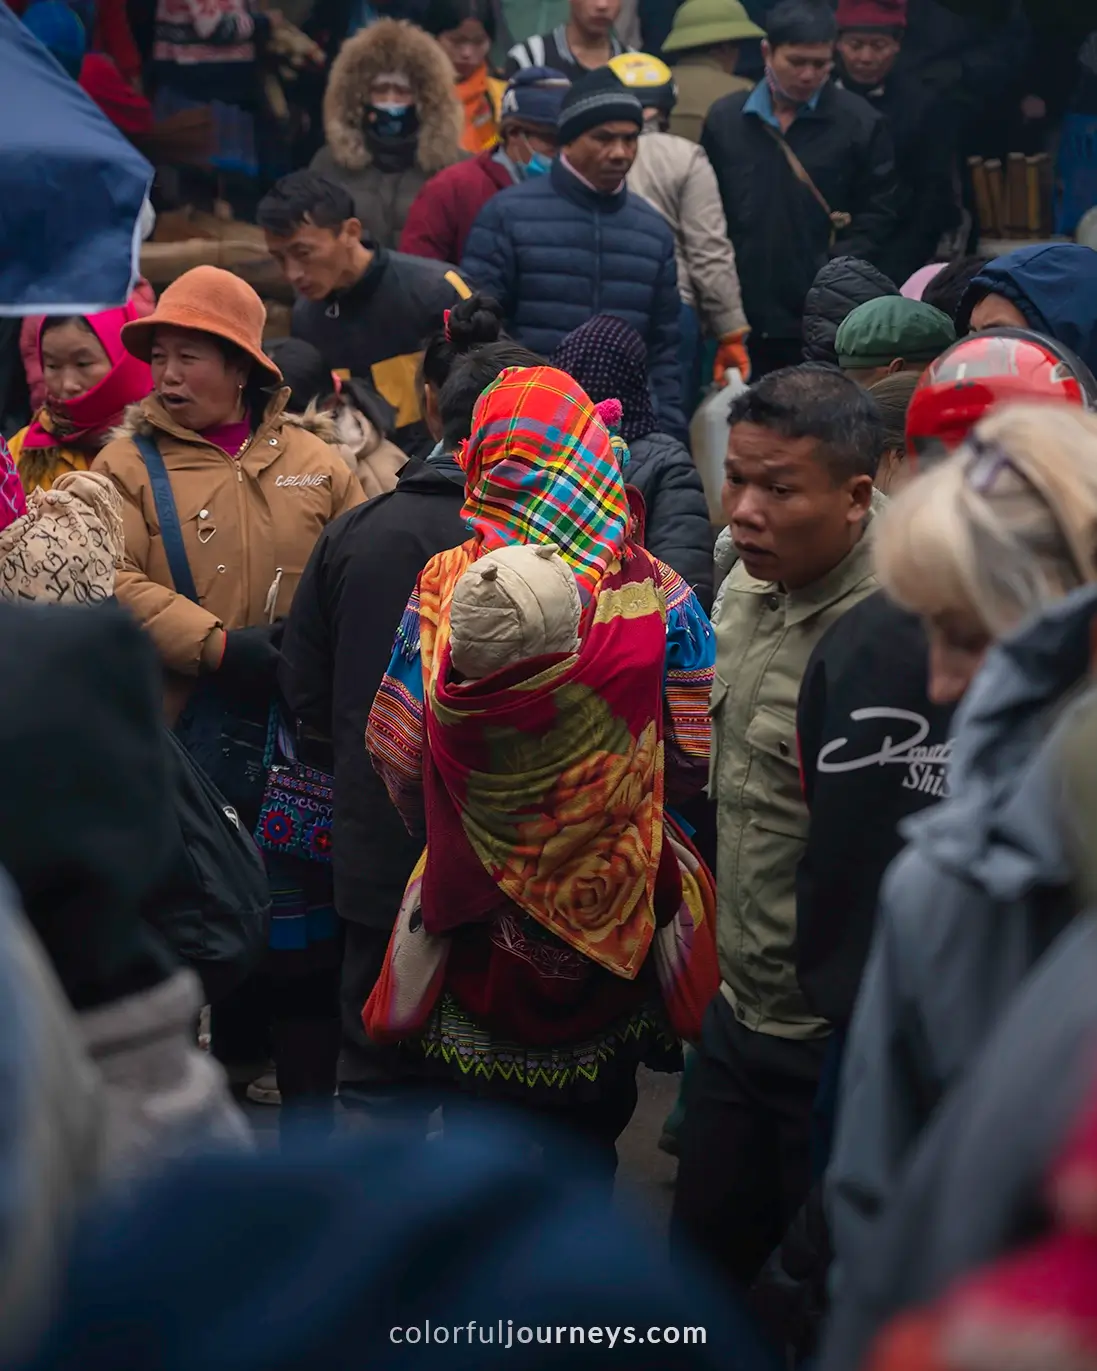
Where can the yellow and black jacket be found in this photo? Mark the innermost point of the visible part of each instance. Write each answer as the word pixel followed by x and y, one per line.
pixel 377 330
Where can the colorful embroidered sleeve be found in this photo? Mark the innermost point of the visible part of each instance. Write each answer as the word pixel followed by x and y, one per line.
pixel 687 688
pixel 394 734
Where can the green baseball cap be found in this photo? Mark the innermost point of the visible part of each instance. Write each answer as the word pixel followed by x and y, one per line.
pixel 702 23
pixel 878 332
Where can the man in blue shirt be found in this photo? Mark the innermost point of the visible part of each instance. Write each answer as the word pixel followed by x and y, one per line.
pixel 806 171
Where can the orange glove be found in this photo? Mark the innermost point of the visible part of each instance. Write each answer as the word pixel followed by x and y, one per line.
pixel 732 352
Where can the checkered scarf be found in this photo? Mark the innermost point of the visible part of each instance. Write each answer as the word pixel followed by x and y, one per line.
pixel 540 468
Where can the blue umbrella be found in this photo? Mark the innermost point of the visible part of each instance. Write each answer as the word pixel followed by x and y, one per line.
pixel 71 188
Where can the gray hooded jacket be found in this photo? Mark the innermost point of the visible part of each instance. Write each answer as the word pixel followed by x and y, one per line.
pixel 981 892
pixel 975 1182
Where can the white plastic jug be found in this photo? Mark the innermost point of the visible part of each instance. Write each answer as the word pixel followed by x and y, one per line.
pixel 708 437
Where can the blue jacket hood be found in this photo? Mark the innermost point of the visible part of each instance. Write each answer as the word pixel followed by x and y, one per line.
pixel 1054 285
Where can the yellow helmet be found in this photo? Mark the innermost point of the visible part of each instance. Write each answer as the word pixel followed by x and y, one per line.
pixel 648 77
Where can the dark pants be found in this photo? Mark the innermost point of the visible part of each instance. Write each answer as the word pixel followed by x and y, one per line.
pixel 287 1010
pixel 744 1165
pixel 586 1131
pixel 771 354
pixel 373 1076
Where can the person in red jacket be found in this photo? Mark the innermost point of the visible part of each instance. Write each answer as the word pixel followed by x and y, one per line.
pixel 446 208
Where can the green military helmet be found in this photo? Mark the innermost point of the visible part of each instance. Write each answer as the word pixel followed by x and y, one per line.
pixel 704 23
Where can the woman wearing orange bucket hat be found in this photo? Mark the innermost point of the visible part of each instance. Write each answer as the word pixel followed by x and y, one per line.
pixel 224 496
pixel 251 485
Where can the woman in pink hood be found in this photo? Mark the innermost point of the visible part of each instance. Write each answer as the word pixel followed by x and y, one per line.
pixel 89 380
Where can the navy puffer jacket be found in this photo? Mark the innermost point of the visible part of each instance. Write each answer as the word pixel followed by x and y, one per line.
pixel 677 528
pixel 554 253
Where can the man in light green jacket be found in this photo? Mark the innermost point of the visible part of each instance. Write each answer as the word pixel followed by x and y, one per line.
pixel 802 452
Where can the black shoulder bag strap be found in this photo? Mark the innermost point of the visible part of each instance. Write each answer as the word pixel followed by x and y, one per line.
pixel 170 529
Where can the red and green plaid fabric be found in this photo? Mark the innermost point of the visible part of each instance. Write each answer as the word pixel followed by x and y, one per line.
pixel 540 469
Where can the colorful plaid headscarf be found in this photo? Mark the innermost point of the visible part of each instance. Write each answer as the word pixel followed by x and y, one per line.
pixel 540 468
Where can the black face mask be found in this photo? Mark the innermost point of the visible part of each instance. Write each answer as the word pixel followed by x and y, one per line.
pixel 390 122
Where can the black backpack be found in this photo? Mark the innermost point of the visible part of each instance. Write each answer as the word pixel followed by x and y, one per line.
pixel 213 907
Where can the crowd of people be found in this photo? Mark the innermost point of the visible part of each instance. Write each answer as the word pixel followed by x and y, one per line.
pixel 425 758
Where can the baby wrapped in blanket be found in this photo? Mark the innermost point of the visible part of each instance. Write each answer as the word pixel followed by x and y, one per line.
pixel 513 604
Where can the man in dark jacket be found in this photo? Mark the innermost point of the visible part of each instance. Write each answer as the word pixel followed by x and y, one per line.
pixel 440 220
pixel 922 122
pixel 366 309
pixel 840 286
pixel 873 749
pixel 575 243
pixel 805 169
pixel 337 644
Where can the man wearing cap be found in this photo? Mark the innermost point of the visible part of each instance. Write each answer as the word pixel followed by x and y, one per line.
pixel 923 123
pixel 561 248
pixel 445 210
pixel 806 172
pixel 891 334
pixel 703 47
pixel 676 177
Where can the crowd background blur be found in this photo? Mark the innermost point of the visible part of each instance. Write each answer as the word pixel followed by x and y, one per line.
pixel 435 436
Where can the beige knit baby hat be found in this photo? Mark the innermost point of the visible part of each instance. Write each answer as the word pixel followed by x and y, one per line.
pixel 514 603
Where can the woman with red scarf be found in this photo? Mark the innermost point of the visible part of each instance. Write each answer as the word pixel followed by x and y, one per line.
pixel 90 379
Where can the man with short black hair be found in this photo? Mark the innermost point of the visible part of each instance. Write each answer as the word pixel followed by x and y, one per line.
pixel 560 249
pixel 805 170
pixel 803 446
pixel 367 310
pixel 583 42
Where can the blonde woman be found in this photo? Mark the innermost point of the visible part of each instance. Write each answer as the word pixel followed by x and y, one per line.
pixel 987 549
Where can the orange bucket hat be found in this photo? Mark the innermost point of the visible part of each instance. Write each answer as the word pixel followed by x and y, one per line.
pixel 209 300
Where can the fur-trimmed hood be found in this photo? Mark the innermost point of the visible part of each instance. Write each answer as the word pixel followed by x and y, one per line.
pixel 393 45
pixel 136 422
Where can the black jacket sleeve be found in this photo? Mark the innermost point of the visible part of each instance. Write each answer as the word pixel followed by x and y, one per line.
pixel 872 198
pixel 677 529
pixel 305 674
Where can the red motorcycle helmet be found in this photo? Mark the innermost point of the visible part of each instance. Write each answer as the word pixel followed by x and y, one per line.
pixel 1000 366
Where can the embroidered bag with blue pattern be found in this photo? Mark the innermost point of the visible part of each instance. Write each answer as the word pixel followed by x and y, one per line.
pixel 295 817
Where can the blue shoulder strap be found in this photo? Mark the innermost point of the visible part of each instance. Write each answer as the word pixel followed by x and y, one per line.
pixel 170 530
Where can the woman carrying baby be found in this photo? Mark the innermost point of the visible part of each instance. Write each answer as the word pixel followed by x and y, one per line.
pixel 545 702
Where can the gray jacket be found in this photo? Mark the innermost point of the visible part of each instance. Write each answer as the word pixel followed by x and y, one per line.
pixel 980 893
pixel 977 1175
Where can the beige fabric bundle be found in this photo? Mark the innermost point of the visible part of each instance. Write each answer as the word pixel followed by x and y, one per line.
pixel 67 546
pixel 514 603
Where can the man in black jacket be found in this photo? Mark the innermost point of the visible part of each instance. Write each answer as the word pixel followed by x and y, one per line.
pixel 368 310
pixel 923 124
pixel 805 170
pixel 337 645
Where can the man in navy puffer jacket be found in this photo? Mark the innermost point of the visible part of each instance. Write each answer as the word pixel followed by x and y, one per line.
pixel 560 248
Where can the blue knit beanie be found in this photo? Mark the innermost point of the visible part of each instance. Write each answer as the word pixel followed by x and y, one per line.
pixel 534 95
pixel 59 31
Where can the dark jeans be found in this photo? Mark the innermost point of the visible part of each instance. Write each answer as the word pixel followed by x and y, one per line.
pixel 584 1132
pixel 771 354
pixel 288 1010
pixel 744 1165
pixel 372 1076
